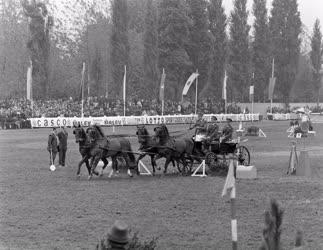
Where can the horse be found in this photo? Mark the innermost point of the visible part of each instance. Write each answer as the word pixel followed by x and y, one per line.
pixel 149 146
pixel 102 147
pixel 84 149
pixel 179 149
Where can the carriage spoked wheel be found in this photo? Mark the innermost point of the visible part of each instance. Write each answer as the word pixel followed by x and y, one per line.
pixel 211 160
pixel 243 155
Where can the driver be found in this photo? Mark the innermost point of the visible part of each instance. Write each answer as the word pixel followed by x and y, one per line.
pixel 200 123
pixel 227 131
pixel 201 126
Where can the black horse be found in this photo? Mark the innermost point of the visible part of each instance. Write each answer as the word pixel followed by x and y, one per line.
pixel 149 146
pixel 180 149
pixel 102 147
pixel 84 149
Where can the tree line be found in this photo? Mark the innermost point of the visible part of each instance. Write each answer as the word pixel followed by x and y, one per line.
pixel 179 36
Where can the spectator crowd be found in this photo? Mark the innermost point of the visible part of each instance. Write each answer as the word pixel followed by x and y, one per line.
pixel 101 106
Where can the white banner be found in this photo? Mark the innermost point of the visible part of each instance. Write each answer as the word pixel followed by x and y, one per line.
pixel 189 82
pixel 45 122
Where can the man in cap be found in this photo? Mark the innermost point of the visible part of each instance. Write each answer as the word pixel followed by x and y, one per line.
pixel 52 146
pixel 62 136
pixel 227 131
pixel 213 129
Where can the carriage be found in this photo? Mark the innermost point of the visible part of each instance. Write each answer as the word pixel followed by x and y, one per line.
pixel 218 153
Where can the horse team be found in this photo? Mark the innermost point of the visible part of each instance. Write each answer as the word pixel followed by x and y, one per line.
pixel 95 146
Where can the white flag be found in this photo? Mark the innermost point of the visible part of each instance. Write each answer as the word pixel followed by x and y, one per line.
pixel 189 82
pixel 224 89
pixel 230 181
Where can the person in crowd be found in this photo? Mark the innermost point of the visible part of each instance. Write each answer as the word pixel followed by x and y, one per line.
pixel 227 131
pixel 52 146
pixel 117 238
pixel 62 136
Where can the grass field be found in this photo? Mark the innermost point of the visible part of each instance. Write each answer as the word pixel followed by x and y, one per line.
pixel 40 209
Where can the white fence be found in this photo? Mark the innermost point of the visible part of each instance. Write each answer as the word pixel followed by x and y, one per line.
pixel 45 122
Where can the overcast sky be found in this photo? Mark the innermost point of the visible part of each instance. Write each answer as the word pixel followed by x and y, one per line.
pixel 309 9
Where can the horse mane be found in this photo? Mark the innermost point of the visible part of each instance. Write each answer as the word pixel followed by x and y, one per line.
pixel 166 129
pixel 83 132
pixel 98 128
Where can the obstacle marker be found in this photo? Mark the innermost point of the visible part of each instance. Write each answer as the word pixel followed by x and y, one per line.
pixel 293 160
pixel 246 172
pixel 141 164
pixel 261 133
pixel 202 165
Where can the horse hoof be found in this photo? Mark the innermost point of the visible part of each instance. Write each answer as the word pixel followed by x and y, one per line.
pixel 158 168
pixel 89 178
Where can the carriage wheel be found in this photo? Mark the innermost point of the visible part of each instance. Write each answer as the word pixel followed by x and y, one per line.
pixel 211 160
pixel 243 155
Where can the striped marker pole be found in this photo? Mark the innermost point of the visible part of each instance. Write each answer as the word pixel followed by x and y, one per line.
pixel 234 230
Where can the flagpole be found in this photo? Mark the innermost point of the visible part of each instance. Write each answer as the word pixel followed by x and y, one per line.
pixel 196 92
pixel 253 80
pixel 124 90
pixel 82 83
pixel 163 103
pixel 272 76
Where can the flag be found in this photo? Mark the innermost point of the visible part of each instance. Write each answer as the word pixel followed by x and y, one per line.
pixel 29 82
pixel 251 93
pixel 230 181
pixel 162 86
pixel 272 82
pixel 224 88
pixel 124 84
pixel 189 82
pixel 82 83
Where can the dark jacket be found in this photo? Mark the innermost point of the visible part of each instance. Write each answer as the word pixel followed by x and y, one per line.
pixel 52 143
pixel 213 131
pixel 227 133
pixel 62 136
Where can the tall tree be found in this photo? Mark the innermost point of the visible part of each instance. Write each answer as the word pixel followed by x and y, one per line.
pixel 151 50
pixel 199 45
pixel 239 57
pixel 119 43
pixel 285 30
pixel 316 58
pixel 14 54
pixel 217 27
pixel 39 45
pixel 173 34
pixel 261 49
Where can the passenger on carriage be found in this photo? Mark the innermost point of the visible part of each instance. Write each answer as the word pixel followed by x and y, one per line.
pixel 213 130
pixel 227 132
